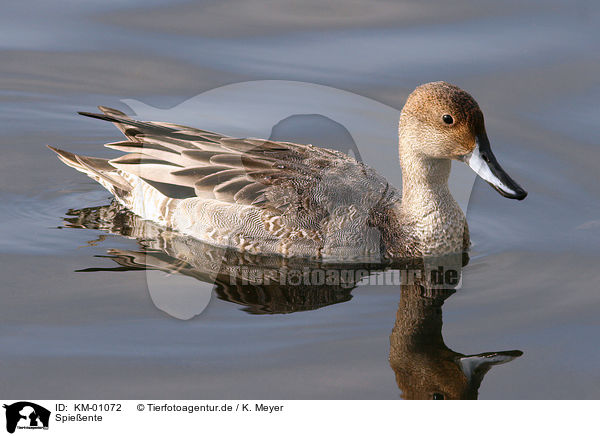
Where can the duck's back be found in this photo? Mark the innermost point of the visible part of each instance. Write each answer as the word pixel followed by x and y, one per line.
pixel 254 195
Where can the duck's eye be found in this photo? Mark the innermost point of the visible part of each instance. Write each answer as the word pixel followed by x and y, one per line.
pixel 448 119
pixel 438 396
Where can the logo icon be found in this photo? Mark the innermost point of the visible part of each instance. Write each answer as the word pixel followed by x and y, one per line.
pixel 26 415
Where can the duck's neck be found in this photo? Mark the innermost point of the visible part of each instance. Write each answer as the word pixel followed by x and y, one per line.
pixel 424 185
pixel 429 218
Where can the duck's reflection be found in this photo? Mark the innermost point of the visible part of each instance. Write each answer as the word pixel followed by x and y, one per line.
pixel 424 366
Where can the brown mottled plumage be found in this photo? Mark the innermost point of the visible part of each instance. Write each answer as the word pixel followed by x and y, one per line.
pixel 297 200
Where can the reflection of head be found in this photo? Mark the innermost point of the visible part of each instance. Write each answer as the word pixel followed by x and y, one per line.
pixel 317 130
pixel 425 367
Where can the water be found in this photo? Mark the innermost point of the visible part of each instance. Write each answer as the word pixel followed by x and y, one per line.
pixel 531 284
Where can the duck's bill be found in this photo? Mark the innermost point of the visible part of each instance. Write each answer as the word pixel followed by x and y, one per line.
pixel 484 163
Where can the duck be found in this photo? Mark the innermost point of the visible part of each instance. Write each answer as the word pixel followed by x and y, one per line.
pixel 302 201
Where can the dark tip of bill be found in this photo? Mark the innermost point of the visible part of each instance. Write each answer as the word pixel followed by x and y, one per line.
pixel 520 194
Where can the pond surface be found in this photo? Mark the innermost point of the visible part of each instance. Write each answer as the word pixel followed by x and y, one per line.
pixel 73 324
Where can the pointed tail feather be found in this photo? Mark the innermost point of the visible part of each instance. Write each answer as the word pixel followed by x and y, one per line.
pixel 121 120
pixel 130 190
pixel 96 168
pixel 130 127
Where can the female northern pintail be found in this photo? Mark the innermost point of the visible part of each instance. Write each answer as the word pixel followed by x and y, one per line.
pixel 262 196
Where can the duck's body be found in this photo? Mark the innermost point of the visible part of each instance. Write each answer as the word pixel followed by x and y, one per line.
pixel 290 199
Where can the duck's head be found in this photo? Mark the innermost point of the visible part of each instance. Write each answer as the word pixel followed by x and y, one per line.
pixel 441 121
